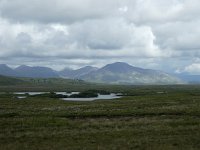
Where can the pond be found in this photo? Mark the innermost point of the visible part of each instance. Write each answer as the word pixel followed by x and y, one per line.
pixel 66 93
pixel 37 93
pixel 111 96
pixel 100 97
pixel 29 93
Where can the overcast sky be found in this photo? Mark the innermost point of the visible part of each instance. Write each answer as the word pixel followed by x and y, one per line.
pixel 156 34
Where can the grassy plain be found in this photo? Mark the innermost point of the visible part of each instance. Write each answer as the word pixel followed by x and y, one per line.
pixel 149 117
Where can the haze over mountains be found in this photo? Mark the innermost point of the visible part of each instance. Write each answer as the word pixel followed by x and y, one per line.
pixel 70 73
pixel 116 73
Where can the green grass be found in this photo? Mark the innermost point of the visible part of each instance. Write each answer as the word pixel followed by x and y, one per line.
pixel 9 84
pixel 142 120
pixel 10 81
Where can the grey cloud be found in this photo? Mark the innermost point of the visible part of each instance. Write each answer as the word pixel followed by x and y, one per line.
pixel 23 38
pixel 49 11
pixel 102 34
pixel 178 36
pixel 59 39
pixel 66 11
pixel 91 31
pixel 96 38
pixel 151 12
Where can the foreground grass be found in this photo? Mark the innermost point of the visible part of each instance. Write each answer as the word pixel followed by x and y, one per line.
pixel 148 121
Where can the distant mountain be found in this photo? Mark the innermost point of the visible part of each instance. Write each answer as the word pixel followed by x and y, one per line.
pixel 189 78
pixel 116 73
pixel 123 73
pixel 7 71
pixel 69 73
pixel 66 72
pixel 35 72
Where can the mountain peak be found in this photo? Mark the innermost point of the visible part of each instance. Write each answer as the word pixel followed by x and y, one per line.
pixel 119 63
pixel 6 70
pixel 89 68
pixel 118 67
pixel 36 72
pixel 22 67
pixel 4 65
pixel 123 73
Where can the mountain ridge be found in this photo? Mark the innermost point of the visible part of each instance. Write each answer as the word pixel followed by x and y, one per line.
pixel 115 73
pixel 70 73
pixel 36 71
pixel 123 73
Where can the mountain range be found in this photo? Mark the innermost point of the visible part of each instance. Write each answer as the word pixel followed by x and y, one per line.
pixel 115 73
pixel 27 71
pixel 123 73
pixel 193 79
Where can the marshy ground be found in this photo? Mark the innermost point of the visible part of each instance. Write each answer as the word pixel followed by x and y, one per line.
pixel 165 117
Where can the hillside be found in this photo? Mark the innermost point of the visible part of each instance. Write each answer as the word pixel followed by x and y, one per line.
pixel 7 71
pixel 69 73
pixel 123 73
pixel 36 72
pixel 10 81
pixel 8 84
pixel 27 71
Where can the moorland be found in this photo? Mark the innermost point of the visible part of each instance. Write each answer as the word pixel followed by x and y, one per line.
pixel 146 117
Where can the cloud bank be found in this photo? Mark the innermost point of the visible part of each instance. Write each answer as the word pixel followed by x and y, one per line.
pixel 61 33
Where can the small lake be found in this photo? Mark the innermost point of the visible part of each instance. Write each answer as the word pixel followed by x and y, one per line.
pixel 111 96
pixel 68 94
pixel 37 93
pixel 100 97
pixel 29 93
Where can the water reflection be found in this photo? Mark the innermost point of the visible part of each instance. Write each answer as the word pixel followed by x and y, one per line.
pixel 100 97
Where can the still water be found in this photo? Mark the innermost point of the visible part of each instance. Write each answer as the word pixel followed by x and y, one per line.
pixel 99 97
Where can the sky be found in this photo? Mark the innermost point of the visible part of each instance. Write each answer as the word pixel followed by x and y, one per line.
pixel 156 34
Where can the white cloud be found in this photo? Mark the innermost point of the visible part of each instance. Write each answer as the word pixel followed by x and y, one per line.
pixel 114 34
pixel 123 9
pixel 178 35
pixel 96 38
pixel 193 68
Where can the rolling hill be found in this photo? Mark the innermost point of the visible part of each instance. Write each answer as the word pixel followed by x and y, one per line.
pixel 4 81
